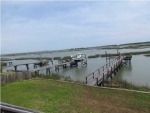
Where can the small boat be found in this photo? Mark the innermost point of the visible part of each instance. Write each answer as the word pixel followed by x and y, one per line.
pixel 79 57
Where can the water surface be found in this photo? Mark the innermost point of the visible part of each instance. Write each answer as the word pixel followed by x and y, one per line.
pixel 137 73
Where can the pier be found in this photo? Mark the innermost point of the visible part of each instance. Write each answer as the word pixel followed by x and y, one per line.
pixel 44 64
pixel 48 68
pixel 61 63
pixel 41 63
pixel 98 77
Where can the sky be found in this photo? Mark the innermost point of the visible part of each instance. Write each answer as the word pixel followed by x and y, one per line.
pixel 28 26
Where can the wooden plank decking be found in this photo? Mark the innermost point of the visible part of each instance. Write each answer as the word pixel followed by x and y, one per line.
pixel 99 75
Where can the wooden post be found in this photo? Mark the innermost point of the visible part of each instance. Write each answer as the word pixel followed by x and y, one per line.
pixel 116 66
pixel 107 72
pixel 49 71
pixel 27 65
pixel 109 59
pixel 57 68
pixel 46 70
pixel 111 69
pixel 86 79
pixel 93 75
pixel 35 66
pixel 129 61
pixel 103 79
pixel 96 81
pixel 98 71
pixel 106 58
pixel 114 70
pixel 117 52
pixel 15 68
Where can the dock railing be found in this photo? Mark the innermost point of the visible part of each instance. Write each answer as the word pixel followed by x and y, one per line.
pixel 105 69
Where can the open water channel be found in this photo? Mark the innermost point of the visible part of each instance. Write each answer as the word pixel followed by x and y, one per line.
pixel 137 73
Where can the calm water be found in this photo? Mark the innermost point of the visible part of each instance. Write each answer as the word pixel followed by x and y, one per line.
pixel 137 73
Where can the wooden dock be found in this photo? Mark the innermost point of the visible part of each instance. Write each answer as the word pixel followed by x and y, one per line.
pixel 99 75
pixel 44 64
pixel 48 68
pixel 61 63
pixel 41 63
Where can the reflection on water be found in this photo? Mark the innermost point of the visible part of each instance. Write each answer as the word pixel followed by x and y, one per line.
pixel 127 68
pixel 137 73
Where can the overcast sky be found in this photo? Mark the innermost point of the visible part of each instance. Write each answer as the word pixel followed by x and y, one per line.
pixel 38 26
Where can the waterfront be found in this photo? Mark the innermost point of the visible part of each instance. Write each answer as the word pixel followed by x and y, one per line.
pixel 137 73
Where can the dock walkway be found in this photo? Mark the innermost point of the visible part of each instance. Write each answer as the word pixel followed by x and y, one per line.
pixel 41 63
pixel 99 75
pixel 64 65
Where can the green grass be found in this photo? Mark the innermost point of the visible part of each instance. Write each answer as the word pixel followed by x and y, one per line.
pixel 94 56
pixel 58 97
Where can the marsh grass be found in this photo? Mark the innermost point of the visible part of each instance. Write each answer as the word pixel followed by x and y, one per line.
pixel 147 55
pixel 8 72
pixel 136 47
pixel 32 58
pixel 94 56
pixel 117 82
pixel 51 76
pixel 128 47
pixel 66 57
pixel 57 58
pixel 129 53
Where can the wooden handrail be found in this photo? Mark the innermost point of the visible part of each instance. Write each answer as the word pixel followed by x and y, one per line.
pixel 102 69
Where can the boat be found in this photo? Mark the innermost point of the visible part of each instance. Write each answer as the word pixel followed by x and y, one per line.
pixel 79 57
